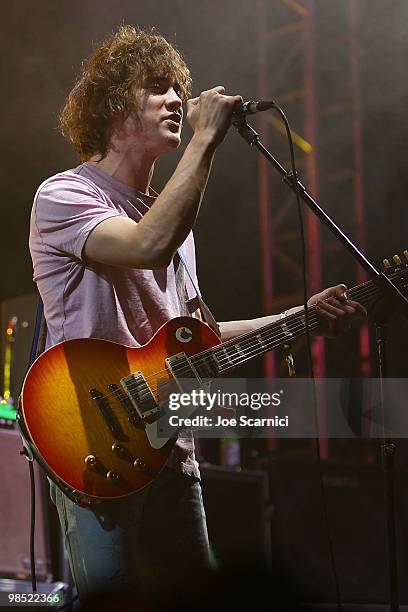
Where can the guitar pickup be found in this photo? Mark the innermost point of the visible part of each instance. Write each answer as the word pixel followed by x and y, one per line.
pixel 107 414
pixel 140 395
pixel 184 373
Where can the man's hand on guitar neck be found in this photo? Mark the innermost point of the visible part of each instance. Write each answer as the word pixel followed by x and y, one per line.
pixel 335 311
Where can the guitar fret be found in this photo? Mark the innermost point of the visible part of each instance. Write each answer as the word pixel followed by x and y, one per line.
pixel 286 330
pixel 222 358
pixel 239 350
pixel 267 338
pixel 260 340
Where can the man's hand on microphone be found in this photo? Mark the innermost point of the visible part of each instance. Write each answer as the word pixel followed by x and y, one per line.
pixel 210 113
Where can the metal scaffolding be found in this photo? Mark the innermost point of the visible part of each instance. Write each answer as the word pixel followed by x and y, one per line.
pixel 308 62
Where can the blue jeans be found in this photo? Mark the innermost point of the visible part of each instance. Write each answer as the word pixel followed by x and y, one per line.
pixel 152 541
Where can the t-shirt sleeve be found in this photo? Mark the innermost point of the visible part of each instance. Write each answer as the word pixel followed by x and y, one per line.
pixel 66 210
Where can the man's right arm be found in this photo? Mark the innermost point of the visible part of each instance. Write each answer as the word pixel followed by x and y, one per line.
pixel 152 242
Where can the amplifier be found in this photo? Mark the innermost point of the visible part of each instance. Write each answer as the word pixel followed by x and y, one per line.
pixel 15 512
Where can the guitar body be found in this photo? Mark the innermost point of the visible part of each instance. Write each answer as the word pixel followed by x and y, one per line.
pixel 67 427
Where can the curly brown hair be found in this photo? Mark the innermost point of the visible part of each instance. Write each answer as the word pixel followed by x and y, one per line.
pixel 103 90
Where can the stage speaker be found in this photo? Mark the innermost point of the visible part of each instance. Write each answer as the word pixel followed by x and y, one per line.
pixel 238 516
pixel 357 525
pixel 15 513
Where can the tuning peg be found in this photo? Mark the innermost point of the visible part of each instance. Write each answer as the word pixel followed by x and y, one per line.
pixel 397 260
pixel 386 263
pixel 406 254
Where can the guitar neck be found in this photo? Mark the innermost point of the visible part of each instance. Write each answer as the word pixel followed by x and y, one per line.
pixel 234 352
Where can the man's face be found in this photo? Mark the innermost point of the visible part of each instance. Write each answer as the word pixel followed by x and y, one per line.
pixel 160 117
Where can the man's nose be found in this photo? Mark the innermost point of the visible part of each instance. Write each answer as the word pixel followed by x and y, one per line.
pixel 173 100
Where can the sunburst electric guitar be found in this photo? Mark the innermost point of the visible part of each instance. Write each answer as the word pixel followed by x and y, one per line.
pixel 90 409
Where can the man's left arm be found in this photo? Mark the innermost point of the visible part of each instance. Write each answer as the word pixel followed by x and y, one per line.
pixel 335 312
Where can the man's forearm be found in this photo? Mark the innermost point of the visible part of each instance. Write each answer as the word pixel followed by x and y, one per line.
pixel 232 329
pixel 165 227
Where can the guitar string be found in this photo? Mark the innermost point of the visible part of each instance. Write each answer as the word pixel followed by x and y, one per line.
pixel 202 357
pixel 164 389
pixel 199 358
pixel 242 341
pixel 249 336
pixel 227 364
pixel 232 361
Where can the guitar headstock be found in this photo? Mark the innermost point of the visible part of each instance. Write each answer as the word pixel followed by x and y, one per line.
pixel 370 292
pixel 397 261
pixel 398 272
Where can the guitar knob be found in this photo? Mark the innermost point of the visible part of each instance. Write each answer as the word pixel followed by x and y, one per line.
pixel 140 464
pixel 397 260
pixel 111 475
pixel 386 263
pixel 406 254
pixel 91 460
pixel 118 448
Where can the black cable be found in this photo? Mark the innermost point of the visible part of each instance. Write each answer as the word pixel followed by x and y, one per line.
pixel 32 532
pixel 293 179
pixel 32 526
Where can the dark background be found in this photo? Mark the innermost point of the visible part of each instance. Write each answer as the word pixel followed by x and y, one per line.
pixel 42 46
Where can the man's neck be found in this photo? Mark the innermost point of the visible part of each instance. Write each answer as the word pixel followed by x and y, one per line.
pixel 128 168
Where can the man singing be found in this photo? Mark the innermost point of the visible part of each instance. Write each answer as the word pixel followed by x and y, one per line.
pixel 105 246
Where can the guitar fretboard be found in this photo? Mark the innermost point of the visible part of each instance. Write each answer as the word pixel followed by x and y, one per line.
pixel 223 357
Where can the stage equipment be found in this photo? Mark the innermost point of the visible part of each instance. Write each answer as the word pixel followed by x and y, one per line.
pixel 356 513
pixel 238 512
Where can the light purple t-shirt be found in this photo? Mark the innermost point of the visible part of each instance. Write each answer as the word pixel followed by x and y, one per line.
pixel 85 299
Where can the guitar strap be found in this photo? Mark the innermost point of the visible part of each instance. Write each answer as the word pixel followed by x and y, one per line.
pixel 197 301
pixel 40 333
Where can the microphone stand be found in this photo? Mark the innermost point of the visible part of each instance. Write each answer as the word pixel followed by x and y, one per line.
pixel 395 297
pixel 388 448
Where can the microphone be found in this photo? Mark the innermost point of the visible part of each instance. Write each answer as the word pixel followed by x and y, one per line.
pixel 250 108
